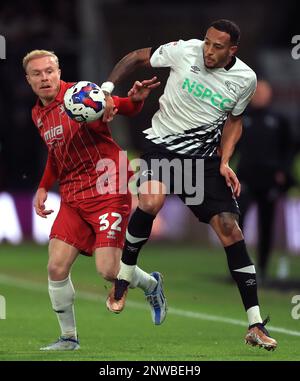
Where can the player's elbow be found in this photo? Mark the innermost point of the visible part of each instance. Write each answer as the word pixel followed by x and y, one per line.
pixel 140 57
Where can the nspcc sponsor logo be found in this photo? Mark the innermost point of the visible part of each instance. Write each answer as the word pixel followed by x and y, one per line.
pixel 204 93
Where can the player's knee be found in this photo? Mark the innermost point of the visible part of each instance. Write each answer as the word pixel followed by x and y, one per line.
pixel 151 205
pixel 230 228
pixel 57 272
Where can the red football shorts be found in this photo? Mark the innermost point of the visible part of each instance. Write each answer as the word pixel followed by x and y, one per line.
pixel 93 223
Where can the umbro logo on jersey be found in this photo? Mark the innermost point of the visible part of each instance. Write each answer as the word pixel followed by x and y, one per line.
pixel 195 69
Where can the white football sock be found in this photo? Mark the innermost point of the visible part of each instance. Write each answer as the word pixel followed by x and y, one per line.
pixel 62 298
pixel 254 315
pixel 126 272
pixel 143 280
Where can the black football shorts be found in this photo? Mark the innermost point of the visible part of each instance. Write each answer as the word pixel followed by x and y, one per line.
pixel 197 182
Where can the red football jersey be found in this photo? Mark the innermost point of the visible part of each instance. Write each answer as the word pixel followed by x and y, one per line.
pixel 84 157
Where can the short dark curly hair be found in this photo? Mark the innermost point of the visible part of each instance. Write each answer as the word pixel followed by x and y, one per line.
pixel 229 27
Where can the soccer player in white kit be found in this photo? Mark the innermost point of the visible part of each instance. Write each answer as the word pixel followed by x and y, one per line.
pixel 199 119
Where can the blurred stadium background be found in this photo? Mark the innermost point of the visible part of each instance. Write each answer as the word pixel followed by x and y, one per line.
pixel 90 37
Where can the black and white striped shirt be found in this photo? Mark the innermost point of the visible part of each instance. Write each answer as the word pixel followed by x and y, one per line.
pixel 197 100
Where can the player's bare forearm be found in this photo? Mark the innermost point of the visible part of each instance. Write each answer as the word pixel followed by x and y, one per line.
pixel 123 68
pixel 231 134
pixel 129 63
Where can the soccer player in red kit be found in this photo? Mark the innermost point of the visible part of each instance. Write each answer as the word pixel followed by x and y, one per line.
pixel 92 218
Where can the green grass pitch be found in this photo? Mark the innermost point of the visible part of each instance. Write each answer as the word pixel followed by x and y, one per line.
pixel 206 320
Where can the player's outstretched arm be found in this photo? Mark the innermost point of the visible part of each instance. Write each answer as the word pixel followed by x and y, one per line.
pixel 230 136
pixel 123 68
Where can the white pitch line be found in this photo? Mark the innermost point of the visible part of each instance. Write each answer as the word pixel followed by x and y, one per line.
pixel 39 287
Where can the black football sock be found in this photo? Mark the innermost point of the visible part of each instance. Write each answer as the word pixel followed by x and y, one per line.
pixel 138 232
pixel 243 272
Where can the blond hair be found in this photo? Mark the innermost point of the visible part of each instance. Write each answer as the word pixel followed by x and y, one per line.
pixel 38 54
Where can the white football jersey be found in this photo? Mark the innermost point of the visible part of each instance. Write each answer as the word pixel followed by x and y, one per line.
pixel 197 100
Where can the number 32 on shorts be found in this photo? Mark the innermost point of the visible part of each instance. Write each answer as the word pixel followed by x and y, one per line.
pixel 111 220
